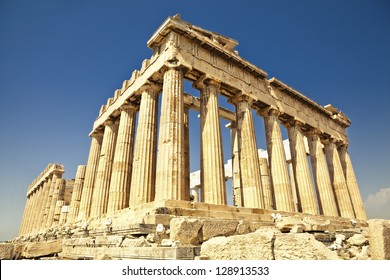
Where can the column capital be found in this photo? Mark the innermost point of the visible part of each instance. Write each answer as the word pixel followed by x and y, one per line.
pixel 268 111
pixel 111 122
pixel 206 80
pixel 129 106
pixel 150 87
pixel 241 97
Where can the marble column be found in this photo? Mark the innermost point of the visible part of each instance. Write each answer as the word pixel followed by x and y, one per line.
pixel 144 162
pixel 187 151
pixel 352 184
pixel 252 192
pixel 212 166
pixel 76 195
pixel 343 199
pixel 119 191
pixel 24 217
pixel 58 194
pixel 296 204
pixel 45 197
pixel 170 174
pixel 31 197
pixel 49 202
pixel 57 212
pixel 103 174
pixel 39 213
pixel 90 176
pixel 277 162
pixel 236 180
pixel 325 194
pixel 302 175
pixel 266 184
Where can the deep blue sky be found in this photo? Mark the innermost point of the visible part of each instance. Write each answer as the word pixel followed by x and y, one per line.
pixel 61 60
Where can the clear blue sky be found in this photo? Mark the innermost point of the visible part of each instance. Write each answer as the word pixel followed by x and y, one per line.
pixel 60 61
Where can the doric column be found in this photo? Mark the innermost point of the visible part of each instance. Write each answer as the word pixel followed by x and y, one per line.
pixel 236 180
pixel 296 205
pixel 24 217
pixel 39 208
pixel 31 197
pixel 187 151
pixel 76 195
pixel 46 205
pixel 45 197
pixel 144 163
pixel 57 212
pixel 58 194
pixel 212 166
pixel 252 192
pixel 90 176
pixel 103 174
pixel 301 169
pixel 119 191
pixel 170 174
pixel 352 184
pixel 47 219
pixel 338 180
pixel 266 184
pixel 277 162
pixel 325 194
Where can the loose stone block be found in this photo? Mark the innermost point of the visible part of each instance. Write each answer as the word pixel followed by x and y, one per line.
pixel 301 246
pixel 379 239
pixel 6 251
pixel 213 228
pixel 252 246
pixel 185 230
pixel 39 249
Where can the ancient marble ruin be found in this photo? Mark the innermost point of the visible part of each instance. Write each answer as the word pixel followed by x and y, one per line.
pixel 137 181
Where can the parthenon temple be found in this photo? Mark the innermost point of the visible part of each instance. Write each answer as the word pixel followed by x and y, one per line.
pixel 138 168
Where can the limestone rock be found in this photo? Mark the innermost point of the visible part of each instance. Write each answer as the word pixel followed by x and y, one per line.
pixel 301 246
pixel 135 242
pixel 185 230
pixel 6 251
pixel 379 231
pixel 39 249
pixel 213 228
pixel 285 224
pixel 357 240
pixel 252 246
pixel 243 227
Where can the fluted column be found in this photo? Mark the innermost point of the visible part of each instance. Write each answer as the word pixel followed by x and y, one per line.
pixel 119 192
pixel 90 176
pixel 249 163
pixel 296 204
pixel 212 166
pixel 338 180
pixel 302 174
pixel 39 213
pixel 236 180
pixel 24 217
pixel 144 163
pixel 30 214
pixel 76 195
pixel 48 207
pixel 266 184
pixel 325 194
pixel 58 194
pixel 352 184
pixel 187 151
pixel 277 162
pixel 170 174
pixel 45 197
pixel 103 174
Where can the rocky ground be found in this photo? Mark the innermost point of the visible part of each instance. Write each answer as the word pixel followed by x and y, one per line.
pixel 287 238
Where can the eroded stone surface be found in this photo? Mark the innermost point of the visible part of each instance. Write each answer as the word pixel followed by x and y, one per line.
pixel 186 230
pixel 252 246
